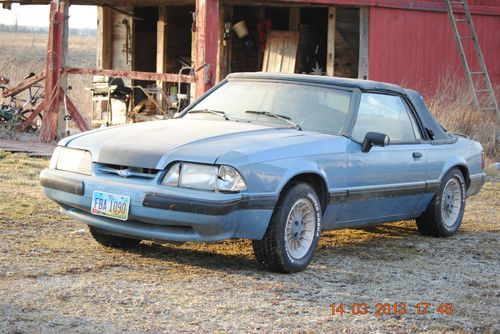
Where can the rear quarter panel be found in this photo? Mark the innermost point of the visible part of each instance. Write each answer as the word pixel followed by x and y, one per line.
pixel 441 158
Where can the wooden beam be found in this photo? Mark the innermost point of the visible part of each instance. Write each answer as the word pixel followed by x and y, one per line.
pixel 75 114
pixel 161 52
pixel 48 131
pixel 434 6
pixel 294 19
pixel 23 85
pixel 104 41
pixel 135 75
pixel 207 24
pixel 161 40
pixel 364 25
pixel 224 45
pixel 330 53
pixel 63 80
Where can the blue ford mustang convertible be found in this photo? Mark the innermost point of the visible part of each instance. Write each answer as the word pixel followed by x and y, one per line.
pixel 272 158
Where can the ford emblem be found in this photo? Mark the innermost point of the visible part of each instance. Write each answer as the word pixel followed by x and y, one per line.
pixel 124 173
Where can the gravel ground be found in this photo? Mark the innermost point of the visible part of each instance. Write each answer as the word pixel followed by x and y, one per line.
pixel 55 278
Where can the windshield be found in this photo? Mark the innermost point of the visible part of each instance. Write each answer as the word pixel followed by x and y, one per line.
pixel 310 108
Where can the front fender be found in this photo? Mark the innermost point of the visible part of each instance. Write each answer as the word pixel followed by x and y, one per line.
pixel 272 176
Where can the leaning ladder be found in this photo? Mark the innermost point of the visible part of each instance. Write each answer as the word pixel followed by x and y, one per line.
pixel 489 104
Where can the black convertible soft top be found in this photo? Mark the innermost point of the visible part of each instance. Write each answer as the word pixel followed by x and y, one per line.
pixel 364 85
pixel 433 128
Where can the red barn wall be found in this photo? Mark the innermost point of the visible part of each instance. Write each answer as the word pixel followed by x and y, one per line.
pixel 417 48
pixel 492 3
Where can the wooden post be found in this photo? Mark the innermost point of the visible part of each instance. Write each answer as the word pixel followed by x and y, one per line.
pixel 63 80
pixel 161 52
pixel 294 20
pixel 330 54
pixel 223 52
pixel 48 132
pixel 364 26
pixel 104 33
pixel 207 24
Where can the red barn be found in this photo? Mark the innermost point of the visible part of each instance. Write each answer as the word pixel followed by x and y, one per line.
pixel 408 42
pixel 412 42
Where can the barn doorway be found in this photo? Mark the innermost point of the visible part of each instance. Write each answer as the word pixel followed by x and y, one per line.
pixel 144 50
pixel 347 42
pixel 178 41
pixel 312 24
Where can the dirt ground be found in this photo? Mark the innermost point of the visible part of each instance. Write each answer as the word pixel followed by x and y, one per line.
pixel 55 278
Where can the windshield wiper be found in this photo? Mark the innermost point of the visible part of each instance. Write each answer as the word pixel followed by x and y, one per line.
pixel 210 111
pixel 278 116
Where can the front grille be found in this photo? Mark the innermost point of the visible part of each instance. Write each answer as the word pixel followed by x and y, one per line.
pixel 128 171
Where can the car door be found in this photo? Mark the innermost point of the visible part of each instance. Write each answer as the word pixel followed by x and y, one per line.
pixel 387 182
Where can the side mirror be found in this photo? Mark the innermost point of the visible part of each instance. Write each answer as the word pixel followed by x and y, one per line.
pixel 374 139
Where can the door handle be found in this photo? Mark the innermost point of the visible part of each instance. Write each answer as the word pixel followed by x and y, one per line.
pixel 417 155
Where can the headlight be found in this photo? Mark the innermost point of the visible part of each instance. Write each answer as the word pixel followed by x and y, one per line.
pixel 72 160
pixel 204 177
pixel 230 180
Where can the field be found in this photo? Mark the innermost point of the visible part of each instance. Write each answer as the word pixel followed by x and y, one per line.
pixel 22 53
pixel 55 278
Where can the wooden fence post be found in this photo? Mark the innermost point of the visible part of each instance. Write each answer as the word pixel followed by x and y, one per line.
pixel 48 132
pixel 207 26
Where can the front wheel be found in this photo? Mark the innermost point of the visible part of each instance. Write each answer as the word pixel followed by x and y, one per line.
pixel 443 216
pixel 293 232
pixel 113 241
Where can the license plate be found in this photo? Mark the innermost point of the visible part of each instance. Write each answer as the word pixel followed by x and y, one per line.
pixel 110 205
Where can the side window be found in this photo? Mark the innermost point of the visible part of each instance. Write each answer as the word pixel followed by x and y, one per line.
pixel 385 114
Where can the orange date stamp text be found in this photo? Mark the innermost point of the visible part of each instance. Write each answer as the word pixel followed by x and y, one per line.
pixel 391 309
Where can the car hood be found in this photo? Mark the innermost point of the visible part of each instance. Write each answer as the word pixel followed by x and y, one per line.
pixel 155 144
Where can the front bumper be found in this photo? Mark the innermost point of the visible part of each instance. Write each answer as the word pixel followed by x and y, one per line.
pixel 161 213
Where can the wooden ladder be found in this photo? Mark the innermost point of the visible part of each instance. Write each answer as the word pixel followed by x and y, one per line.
pixel 478 90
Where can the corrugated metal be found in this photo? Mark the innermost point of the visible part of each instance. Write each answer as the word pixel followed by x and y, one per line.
pixel 417 48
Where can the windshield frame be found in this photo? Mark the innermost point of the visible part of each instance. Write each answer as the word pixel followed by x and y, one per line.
pixel 346 129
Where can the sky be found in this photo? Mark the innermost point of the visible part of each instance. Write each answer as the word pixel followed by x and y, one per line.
pixel 38 16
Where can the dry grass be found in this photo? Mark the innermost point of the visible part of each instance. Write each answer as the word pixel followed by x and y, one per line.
pixel 55 278
pixel 453 106
pixel 22 53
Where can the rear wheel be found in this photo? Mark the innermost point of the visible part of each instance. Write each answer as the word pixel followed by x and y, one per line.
pixel 35 124
pixel 443 216
pixel 113 241
pixel 293 232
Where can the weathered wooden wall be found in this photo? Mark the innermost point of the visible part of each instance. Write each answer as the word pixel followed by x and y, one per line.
pixel 347 42
pixel 121 58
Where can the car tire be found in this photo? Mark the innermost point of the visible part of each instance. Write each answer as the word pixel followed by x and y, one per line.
pixel 444 214
pixel 113 241
pixel 293 233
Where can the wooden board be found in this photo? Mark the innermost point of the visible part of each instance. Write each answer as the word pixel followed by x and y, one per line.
pixel 136 75
pixel 330 61
pixel 364 24
pixel 32 148
pixel 281 52
pixel 104 31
